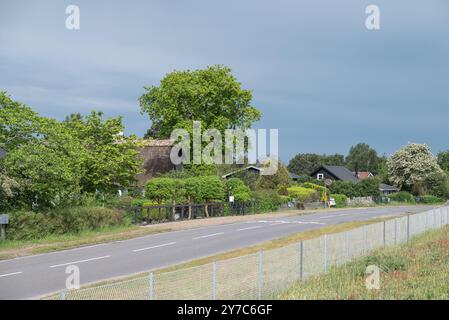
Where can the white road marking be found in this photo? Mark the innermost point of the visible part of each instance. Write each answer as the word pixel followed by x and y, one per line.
pixel 337 215
pixel 153 247
pixel 249 228
pixel 9 274
pixel 79 261
pixel 278 222
pixel 208 235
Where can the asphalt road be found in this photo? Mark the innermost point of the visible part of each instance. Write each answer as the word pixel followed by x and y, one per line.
pixel 34 276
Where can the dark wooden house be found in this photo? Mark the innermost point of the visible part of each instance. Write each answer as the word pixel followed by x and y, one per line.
pixel 333 173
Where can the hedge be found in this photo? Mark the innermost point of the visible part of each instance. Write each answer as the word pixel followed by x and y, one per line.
pixel 340 200
pixel 26 225
pixel 402 196
pixel 304 194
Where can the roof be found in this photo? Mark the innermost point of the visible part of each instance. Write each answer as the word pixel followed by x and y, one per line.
pixel 294 176
pixel 386 187
pixel 242 169
pixel 364 175
pixel 341 173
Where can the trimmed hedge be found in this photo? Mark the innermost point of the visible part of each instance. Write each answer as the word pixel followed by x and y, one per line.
pixel 269 200
pixel 304 194
pixel 26 225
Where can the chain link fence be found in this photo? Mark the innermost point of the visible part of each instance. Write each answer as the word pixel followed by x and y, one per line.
pixel 264 274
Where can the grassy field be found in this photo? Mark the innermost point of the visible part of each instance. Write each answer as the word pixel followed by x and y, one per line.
pixel 417 270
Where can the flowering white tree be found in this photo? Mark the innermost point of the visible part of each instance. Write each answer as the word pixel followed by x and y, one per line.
pixel 412 165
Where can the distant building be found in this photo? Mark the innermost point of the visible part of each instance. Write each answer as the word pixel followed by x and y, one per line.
pixel 255 170
pixel 156 159
pixel 334 173
pixel 361 175
pixel 2 153
pixel 386 189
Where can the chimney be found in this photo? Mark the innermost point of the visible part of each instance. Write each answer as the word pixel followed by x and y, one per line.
pixel 357 170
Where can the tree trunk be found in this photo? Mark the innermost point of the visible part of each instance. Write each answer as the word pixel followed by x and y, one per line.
pixel 206 210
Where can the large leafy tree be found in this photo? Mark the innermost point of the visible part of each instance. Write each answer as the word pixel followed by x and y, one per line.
pixel 443 160
pixel 412 167
pixel 364 158
pixel 43 160
pixel 212 96
pixel 111 159
pixel 305 163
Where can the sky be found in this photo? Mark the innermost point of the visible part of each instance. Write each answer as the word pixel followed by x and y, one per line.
pixel 316 72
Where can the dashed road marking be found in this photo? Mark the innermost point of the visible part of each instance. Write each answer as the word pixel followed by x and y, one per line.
pixel 249 228
pixel 154 247
pixel 79 261
pixel 10 274
pixel 208 235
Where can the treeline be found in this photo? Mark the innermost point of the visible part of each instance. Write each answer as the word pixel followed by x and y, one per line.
pixel 361 157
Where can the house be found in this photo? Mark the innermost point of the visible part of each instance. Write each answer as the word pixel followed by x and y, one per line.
pixel 156 159
pixel 361 175
pixel 334 173
pixel 255 170
pixel 386 189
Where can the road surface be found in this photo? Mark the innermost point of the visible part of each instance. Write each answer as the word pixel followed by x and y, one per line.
pixel 38 275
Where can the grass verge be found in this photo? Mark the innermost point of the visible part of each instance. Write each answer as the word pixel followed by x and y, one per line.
pixel 417 270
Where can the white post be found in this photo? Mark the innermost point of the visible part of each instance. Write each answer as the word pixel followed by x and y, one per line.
pixel 301 260
pixel 150 286
pixel 214 280
pixel 325 253
pixel 260 282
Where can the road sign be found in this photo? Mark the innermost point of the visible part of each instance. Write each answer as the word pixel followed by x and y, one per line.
pixel 4 219
pixel 328 182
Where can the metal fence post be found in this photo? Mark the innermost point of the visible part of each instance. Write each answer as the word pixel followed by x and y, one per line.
pixel 63 294
pixel 260 282
pixel 408 228
pixel 347 245
pixel 150 286
pixel 301 260
pixel 325 253
pixel 214 280
pixel 384 233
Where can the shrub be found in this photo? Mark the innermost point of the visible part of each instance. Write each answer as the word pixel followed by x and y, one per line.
pixel 303 194
pixel 402 196
pixel 429 199
pixel 269 200
pixel 25 225
pixel 237 188
pixel 340 200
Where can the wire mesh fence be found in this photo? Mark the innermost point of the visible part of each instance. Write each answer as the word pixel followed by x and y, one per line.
pixel 266 273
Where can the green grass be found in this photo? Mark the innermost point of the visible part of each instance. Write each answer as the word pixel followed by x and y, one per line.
pixel 417 270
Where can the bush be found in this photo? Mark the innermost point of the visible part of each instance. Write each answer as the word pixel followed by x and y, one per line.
pixel 303 194
pixel 269 200
pixel 429 199
pixel 340 200
pixel 25 225
pixel 236 188
pixel 402 196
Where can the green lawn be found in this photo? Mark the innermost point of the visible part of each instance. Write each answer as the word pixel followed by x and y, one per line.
pixel 417 270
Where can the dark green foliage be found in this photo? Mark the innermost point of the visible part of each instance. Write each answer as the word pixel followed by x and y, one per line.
pixel 363 158
pixel 269 200
pixel 364 188
pixel 26 225
pixel 429 199
pixel 237 188
pixel 340 200
pixel 305 163
pixel 402 196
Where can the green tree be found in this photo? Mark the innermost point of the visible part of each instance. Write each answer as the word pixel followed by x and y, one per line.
pixel 210 189
pixel 412 166
pixel 212 96
pixel 305 163
pixel 363 157
pixel 111 159
pixel 160 190
pixel 274 181
pixel 41 155
pixel 443 160
pixel 235 187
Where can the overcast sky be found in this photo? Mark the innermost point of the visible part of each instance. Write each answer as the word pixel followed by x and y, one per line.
pixel 316 72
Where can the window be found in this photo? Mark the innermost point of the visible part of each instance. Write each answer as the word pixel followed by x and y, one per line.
pixel 320 176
